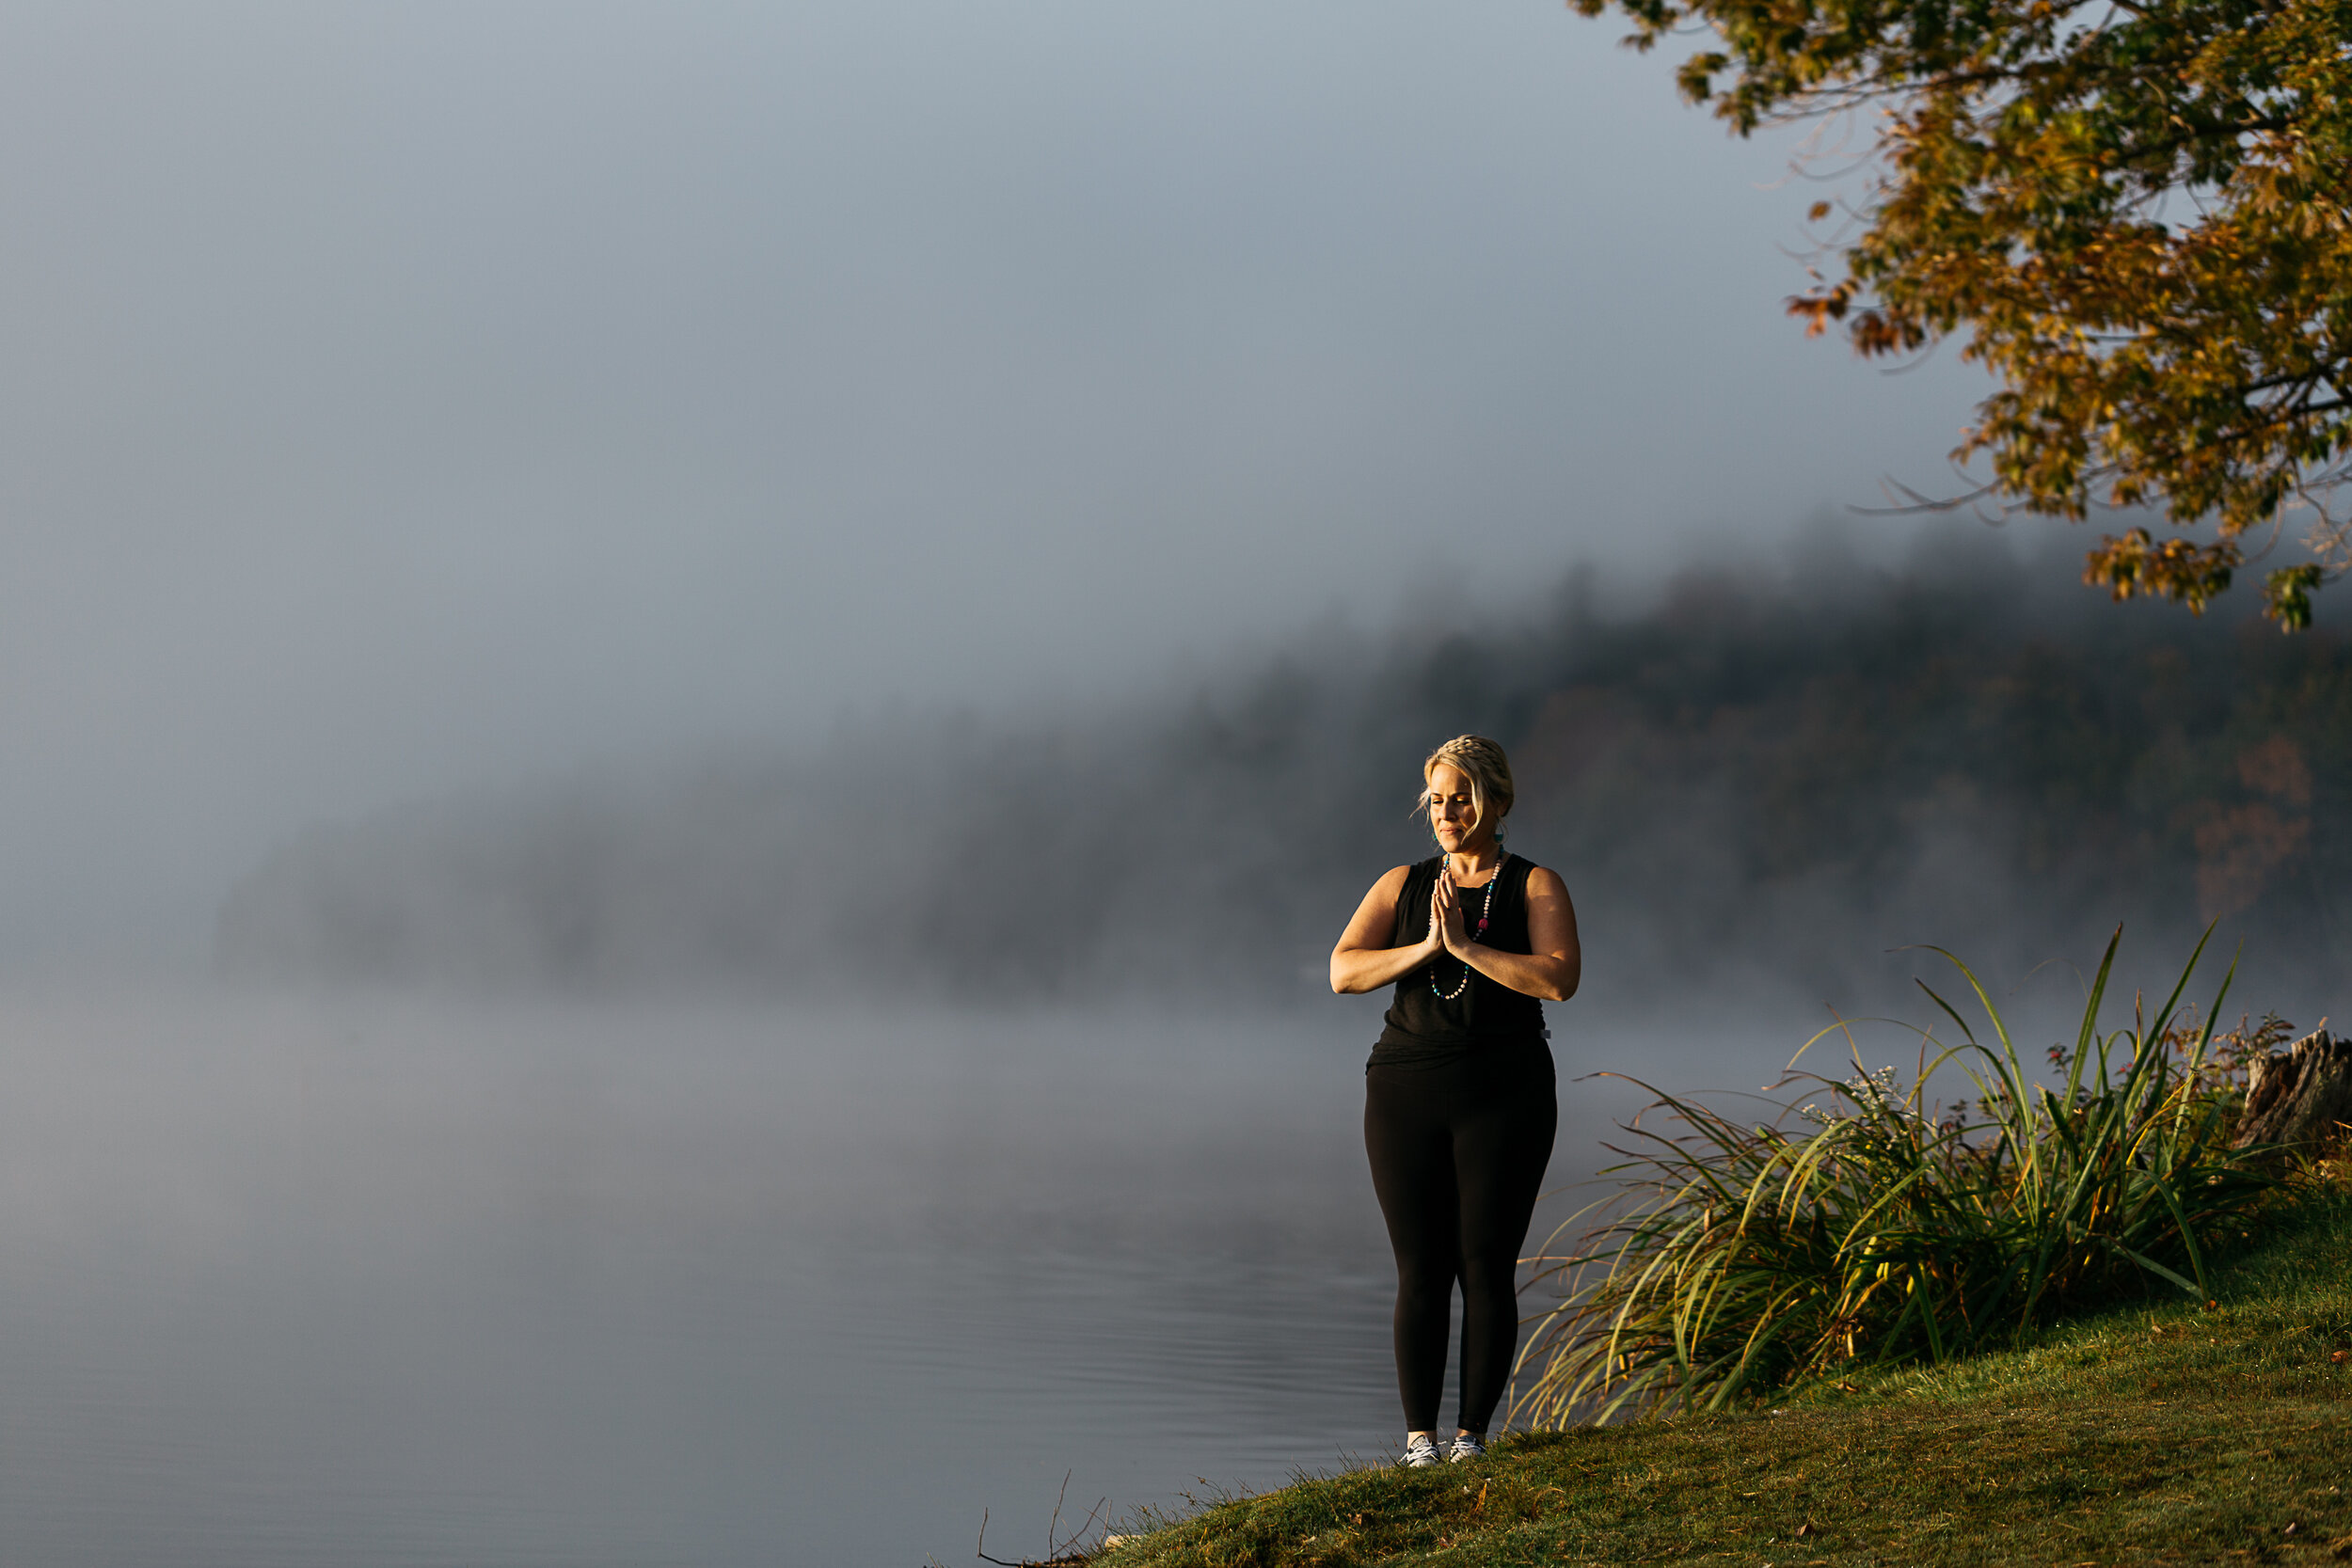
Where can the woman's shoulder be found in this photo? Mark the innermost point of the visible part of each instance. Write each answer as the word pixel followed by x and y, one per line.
pixel 1395 876
pixel 1541 878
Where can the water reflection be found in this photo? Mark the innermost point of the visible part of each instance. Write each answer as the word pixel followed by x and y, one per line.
pixel 379 1280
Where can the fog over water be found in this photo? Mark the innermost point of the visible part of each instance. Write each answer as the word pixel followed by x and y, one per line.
pixel 1764 785
pixel 692 692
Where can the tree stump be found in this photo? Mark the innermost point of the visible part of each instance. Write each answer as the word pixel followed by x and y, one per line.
pixel 2300 1096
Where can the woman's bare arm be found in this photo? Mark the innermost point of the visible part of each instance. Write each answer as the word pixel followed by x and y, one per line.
pixel 1363 960
pixel 1552 972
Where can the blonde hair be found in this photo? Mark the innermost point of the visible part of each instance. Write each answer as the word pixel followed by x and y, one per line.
pixel 1488 770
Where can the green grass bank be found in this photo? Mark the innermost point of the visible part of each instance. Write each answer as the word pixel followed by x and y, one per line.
pixel 2160 1432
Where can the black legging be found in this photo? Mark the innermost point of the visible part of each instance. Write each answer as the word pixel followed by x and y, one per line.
pixel 1458 1151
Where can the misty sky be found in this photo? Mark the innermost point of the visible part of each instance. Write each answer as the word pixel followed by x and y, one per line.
pixel 404 398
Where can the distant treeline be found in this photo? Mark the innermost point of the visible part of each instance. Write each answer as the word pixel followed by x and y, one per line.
pixel 1756 780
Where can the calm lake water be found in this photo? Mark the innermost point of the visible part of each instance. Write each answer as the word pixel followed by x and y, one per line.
pixel 377 1280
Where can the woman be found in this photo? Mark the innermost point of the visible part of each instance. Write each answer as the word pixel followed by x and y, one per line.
pixel 1459 1103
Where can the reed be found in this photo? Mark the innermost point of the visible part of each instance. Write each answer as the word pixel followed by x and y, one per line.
pixel 1865 1225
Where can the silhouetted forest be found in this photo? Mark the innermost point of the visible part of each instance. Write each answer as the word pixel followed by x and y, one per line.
pixel 1756 780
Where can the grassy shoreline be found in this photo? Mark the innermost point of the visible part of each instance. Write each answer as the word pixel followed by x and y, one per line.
pixel 2159 1432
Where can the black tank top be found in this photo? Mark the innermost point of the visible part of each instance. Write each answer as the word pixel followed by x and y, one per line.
pixel 1425 1027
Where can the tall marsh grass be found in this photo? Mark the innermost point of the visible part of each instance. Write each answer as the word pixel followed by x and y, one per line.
pixel 1865 1225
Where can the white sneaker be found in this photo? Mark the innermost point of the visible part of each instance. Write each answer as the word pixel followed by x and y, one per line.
pixel 1465 1447
pixel 1421 1452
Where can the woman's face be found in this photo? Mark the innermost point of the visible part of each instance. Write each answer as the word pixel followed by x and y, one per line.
pixel 1450 809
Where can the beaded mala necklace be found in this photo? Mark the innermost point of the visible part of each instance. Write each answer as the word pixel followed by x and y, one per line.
pixel 1486 911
